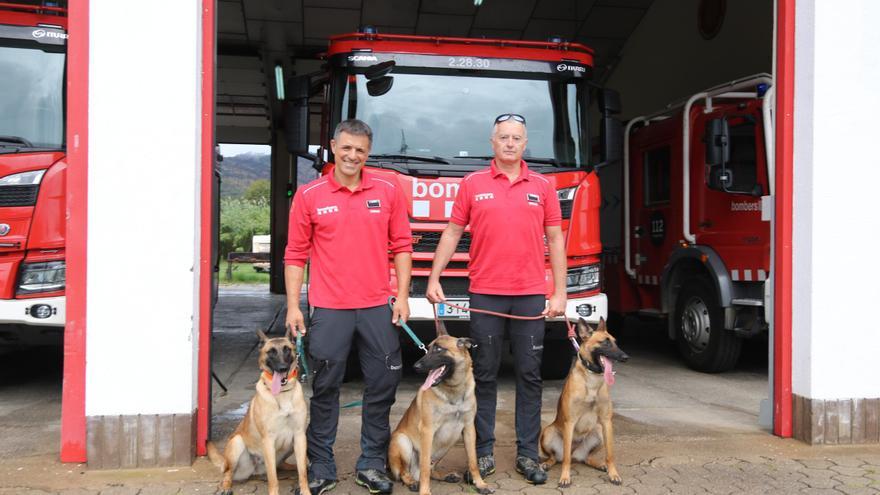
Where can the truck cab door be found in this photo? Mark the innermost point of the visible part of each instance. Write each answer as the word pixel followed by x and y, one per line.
pixel 652 217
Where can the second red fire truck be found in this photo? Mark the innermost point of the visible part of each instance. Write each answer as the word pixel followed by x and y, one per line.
pixel 686 227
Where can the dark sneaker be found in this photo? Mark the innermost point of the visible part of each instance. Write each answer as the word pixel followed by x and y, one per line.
pixel 374 480
pixel 531 470
pixel 318 486
pixel 486 464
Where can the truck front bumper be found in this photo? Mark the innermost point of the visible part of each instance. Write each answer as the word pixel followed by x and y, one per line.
pixel 25 311
pixel 590 308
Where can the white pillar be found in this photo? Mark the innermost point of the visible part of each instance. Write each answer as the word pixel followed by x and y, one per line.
pixel 143 192
pixel 836 225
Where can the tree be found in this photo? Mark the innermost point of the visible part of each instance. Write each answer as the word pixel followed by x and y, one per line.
pixel 258 190
pixel 240 220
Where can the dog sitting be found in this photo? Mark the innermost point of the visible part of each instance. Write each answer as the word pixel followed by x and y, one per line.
pixel 442 412
pixel 584 412
pixel 274 426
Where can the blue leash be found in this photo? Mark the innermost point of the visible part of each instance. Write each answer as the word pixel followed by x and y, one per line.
pixel 406 327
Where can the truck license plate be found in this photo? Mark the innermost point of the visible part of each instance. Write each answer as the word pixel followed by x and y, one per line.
pixel 446 311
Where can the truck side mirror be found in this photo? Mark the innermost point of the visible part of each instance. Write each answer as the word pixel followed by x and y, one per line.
pixel 717 140
pixel 380 86
pixel 296 115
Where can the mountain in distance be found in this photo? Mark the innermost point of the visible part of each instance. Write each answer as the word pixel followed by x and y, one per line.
pixel 237 172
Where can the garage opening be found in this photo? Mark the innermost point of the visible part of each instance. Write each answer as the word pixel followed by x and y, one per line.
pixel 673 299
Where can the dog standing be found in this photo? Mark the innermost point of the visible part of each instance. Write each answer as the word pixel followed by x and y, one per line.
pixel 442 412
pixel 273 427
pixel 583 414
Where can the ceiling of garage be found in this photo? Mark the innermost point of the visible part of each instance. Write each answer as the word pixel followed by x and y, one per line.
pixel 254 35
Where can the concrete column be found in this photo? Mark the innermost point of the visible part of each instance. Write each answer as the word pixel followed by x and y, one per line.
pixel 836 228
pixel 143 232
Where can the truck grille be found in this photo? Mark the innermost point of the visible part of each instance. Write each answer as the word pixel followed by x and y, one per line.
pixel 426 242
pixel 566 206
pixel 452 286
pixel 19 195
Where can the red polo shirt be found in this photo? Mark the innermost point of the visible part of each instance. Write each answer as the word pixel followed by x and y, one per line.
pixel 507 222
pixel 347 235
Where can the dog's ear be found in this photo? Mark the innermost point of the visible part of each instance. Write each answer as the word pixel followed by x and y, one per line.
pixel 601 327
pixel 262 336
pixel 466 343
pixel 584 329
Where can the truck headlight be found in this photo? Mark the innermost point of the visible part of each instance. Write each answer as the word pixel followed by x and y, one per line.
pixel 45 276
pixel 31 178
pixel 582 278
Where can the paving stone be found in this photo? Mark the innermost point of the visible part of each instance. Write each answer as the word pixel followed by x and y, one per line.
pixel 541 490
pixel 512 484
pixel 848 461
pixel 78 491
pixel 816 463
pixel 848 470
pixel 852 480
pixel 819 491
pixel 580 490
pixel 613 489
pixel 818 473
pixel 858 490
pixel 120 490
pixel 165 489
pixel 199 488
pixel 649 489
pixel 821 482
pixel 686 489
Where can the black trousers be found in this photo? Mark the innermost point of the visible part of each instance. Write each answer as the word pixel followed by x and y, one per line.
pixel 331 334
pixel 527 344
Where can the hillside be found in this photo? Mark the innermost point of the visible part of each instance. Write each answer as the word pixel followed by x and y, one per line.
pixel 238 171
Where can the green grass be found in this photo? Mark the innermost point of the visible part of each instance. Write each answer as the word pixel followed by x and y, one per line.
pixel 242 273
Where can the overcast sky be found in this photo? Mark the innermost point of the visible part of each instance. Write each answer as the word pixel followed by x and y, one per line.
pixel 240 149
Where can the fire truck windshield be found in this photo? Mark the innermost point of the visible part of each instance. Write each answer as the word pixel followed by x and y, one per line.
pixel 449 118
pixel 31 97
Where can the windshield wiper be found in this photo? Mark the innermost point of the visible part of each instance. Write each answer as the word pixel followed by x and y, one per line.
pixel 415 158
pixel 16 140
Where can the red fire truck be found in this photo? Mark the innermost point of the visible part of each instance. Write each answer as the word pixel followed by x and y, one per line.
pixel 693 203
pixel 32 173
pixel 431 102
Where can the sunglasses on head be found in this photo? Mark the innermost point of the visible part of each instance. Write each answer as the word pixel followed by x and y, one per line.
pixel 507 116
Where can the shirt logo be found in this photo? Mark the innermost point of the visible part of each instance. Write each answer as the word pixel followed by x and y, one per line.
pixel 328 209
pixel 532 199
pixel 483 196
pixel 374 205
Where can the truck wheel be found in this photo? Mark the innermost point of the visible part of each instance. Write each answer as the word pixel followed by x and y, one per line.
pixel 556 360
pixel 702 340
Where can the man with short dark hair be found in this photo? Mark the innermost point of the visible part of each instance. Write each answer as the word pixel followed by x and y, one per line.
pixel 345 223
pixel 510 210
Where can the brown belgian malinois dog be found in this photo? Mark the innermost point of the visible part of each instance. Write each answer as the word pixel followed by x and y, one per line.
pixel 274 426
pixel 583 414
pixel 442 412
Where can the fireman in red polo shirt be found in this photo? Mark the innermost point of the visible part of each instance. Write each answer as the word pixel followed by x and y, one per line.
pixel 346 223
pixel 509 209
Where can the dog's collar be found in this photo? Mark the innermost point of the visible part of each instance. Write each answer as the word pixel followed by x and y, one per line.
pixel 293 373
pixel 591 367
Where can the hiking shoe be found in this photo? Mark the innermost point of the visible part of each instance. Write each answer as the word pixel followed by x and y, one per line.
pixel 318 486
pixel 531 470
pixel 374 480
pixel 486 464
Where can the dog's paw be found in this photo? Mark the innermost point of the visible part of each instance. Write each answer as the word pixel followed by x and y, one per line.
pixel 484 490
pixel 224 492
pixel 452 478
pixel 564 482
pixel 615 479
pixel 414 487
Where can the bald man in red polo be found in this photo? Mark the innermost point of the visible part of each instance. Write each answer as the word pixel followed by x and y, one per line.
pixel 346 223
pixel 509 209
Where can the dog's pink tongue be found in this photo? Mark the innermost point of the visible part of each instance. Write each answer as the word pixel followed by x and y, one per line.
pixel 432 376
pixel 609 372
pixel 276 383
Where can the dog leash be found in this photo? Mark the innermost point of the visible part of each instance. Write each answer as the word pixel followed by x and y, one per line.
pixel 300 355
pixel 406 327
pixel 572 336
